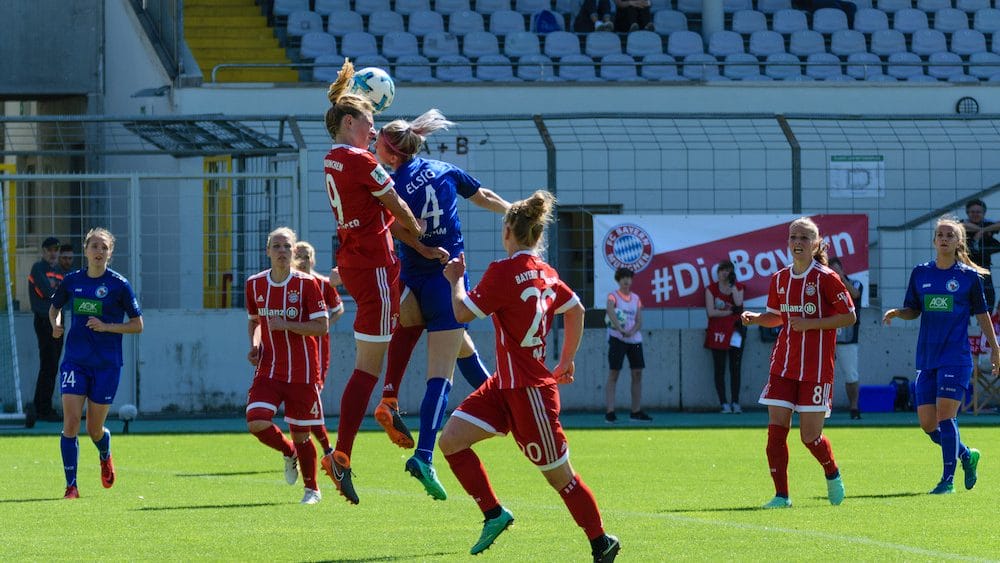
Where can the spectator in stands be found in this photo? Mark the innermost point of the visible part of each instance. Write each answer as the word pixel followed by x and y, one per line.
pixel 624 318
pixel 66 258
pixel 725 334
pixel 594 15
pixel 632 15
pixel 45 277
pixel 849 8
pixel 982 244
pixel 846 365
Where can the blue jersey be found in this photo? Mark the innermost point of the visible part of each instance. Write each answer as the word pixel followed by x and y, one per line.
pixel 946 299
pixel 431 189
pixel 109 298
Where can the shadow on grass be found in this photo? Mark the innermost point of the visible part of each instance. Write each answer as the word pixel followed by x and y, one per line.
pixel 13 500
pixel 881 495
pixel 210 506
pixel 387 558
pixel 225 473
pixel 754 508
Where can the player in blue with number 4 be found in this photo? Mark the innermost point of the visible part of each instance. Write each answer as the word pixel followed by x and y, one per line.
pixel 944 293
pixel 100 298
pixel 430 188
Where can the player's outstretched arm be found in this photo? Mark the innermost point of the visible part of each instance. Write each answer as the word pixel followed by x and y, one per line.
pixel 490 200
pixel 401 212
pixel 454 272
pixel 905 313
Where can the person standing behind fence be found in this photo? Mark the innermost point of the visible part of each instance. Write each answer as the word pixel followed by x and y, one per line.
pixel 982 244
pixel 365 206
pixel 45 277
pixel 724 335
pixel 624 317
pixel 66 258
pixel 100 298
pixel 809 301
pixel 846 366
pixel 944 293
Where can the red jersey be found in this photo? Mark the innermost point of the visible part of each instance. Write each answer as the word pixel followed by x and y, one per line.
pixel 816 293
pixel 333 304
pixel 523 294
pixel 286 356
pixel 354 181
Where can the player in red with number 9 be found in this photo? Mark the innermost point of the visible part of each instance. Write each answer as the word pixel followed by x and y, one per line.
pixel 523 294
pixel 809 301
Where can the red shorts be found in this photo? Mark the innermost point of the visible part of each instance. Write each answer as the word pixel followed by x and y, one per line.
pixel 376 291
pixel 303 406
pixel 531 414
pixel 801 396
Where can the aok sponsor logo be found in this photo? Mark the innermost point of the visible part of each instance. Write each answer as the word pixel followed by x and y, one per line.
pixel 89 307
pixel 939 303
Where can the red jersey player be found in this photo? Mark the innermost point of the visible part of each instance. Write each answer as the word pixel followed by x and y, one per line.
pixel 523 294
pixel 365 205
pixel 287 314
pixel 809 301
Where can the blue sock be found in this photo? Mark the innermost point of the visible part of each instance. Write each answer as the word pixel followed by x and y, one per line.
pixel 432 415
pixel 949 447
pixel 935 436
pixel 473 370
pixel 70 453
pixel 104 445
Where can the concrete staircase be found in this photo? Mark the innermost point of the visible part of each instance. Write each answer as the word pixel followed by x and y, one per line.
pixel 234 31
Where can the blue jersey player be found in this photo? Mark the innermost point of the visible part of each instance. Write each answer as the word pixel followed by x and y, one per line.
pixel 99 299
pixel 432 189
pixel 944 293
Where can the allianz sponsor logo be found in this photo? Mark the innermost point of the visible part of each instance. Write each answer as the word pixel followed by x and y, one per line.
pixel 352 224
pixel 266 312
pixel 807 309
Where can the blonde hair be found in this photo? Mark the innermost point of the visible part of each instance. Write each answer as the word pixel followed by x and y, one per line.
pixel 287 232
pixel 527 218
pixel 303 256
pixel 962 251
pixel 811 226
pixel 103 233
pixel 343 102
pixel 405 138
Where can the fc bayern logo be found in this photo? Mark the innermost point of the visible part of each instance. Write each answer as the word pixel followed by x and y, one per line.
pixel 628 246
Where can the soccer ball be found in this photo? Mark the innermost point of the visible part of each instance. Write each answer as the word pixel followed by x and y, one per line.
pixel 376 85
pixel 621 318
pixel 128 412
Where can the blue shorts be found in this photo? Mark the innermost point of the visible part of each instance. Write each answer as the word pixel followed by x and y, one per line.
pixel 97 384
pixel 943 382
pixel 433 294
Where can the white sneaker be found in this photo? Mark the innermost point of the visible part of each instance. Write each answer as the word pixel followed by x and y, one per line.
pixel 291 469
pixel 737 409
pixel 726 409
pixel 312 497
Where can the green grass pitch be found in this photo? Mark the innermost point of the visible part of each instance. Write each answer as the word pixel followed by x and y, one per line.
pixel 690 494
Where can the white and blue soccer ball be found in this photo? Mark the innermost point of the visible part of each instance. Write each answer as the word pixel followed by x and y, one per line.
pixel 128 412
pixel 376 85
pixel 621 318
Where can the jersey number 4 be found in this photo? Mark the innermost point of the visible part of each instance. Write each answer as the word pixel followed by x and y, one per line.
pixel 537 331
pixel 432 210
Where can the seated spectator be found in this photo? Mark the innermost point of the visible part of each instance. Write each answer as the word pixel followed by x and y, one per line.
pixel 632 15
pixel 594 15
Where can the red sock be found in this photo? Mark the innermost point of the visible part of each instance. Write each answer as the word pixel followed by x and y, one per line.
pixel 777 457
pixel 353 406
pixel 319 431
pixel 583 506
pixel 404 339
pixel 306 451
pixel 273 438
pixel 823 452
pixel 472 475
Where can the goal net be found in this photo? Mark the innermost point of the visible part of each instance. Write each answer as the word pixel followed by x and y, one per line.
pixel 11 406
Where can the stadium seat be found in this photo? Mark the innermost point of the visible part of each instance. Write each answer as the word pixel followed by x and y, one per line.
pixel 764 43
pixel 731 6
pixel 341 23
pixel 398 44
pixel 746 22
pixel 909 20
pixel 503 22
pixel 316 44
pixel 886 42
pixel 358 43
pixel 862 66
pixel 740 66
pixel 921 78
pixel 773 6
pixel 782 66
pixel 963 78
pixel 965 42
pixel 828 20
pixel 571 7
pixel 931 6
pixel 724 43
pixel 904 65
pixel 601 43
pixel 327 67
pixel 369 7
pixel 382 22
pixel 860 4
pixel 892 6
pixel 950 20
pixel 465 21
pixel 578 68
pixel 495 68
pixel 407 7
pixel 683 43
pixel 976 60
pixel 666 22
pixel 521 44
pixel 805 43
pixel 654 5
pixel 689 6
pixel 868 20
pixel 972 6
pixel 927 41
pixel 659 67
pixel 987 20
pixel 439 44
pixel 413 68
pixel 528 7
pixel 303 22
pixel 327 7
pixel 944 66
pixel 490 6
pixel 559 44
pixel 423 22
pixel 641 43
pixel 454 68
pixel 881 78
pixel 618 67
pixel 449 7
pixel 377 61
pixel 847 41
pixel 700 66
pixel 536 68
pixel 787 22
pixel 823 66
pixel 479 44
pixel 288 7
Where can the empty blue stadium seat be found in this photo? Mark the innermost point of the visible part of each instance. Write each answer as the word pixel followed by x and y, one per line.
pixel 945 66
pixel 741 66
pixel 868 20
pixel 904 66
pixel 413 68
pixel 341 23
pixel 619 67
pixel 439 44
pixel 560 44
pixel 495 68
pixel 887 41
pixel 950 20
pixel 864 65
pixel 358 43
pixel 746 22
pixel 966 42
pixel 787 22
pixel 641 43
pixel 666 22
pixel 398 44
pixel 659 67
pixel 423 22
pixel 369 7
pixel 503 22
pixel 683 43
pixel 828 20
pixel 928 41
pixel 805 43
pixel 287 7
pixel 601 43
pixel 303 22
pixel 448 7
pixel 316 44
pixel 480 43
pixel 454 68
pixel 724 43
pixel 823 66
pixel 407 7
pixel 521 44
pixel 384 21
pixel 909 20
pixel 846 42
pixel 578 68
pixel 326 7
pixel 536 68
pixel 700 66
pixel 465 21
pixel 764 43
